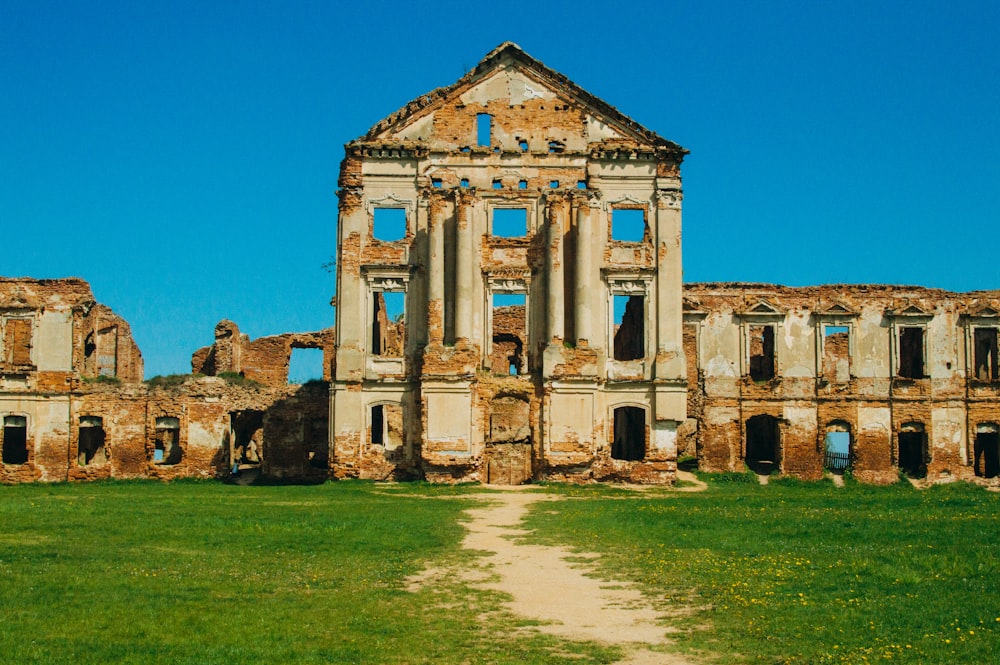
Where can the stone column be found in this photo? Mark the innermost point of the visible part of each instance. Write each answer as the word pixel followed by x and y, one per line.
pixel 582 310
pixel 556 214
pixel 435 271
pixel 463 268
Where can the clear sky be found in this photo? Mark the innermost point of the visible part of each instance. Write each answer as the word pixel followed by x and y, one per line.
pixel 182 157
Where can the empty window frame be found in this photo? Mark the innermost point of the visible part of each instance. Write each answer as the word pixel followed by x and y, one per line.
pixel 304 365
pixel 247 436
pixel 484 129
pixel 17 341
pixel 986 450
pixel 836 353
pixel 167 441
pixel 763 444
pixel 628 433
pixel 90 443
pixel 628 224
pixel 509 319
pixel 389 224
pixel 15 440
pixel 629 326
pixel 388 323
pixel 509 222
pixel 914 453
pixel 985 354
pixel 522 144
pixel 386 426
pixel 911 352
pixel 761 351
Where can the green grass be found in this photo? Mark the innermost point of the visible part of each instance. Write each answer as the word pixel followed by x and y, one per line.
pixel 200 572
pixel 800 572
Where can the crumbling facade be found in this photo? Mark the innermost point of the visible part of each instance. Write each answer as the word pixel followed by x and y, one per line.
pixel 524 237
pixel 73 404
pixel 906 377
pixel 509 308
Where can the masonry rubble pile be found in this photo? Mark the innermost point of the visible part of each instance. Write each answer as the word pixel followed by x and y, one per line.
pixel 510 308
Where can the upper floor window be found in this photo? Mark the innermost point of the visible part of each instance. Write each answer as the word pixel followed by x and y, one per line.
pixel 985 354
pixel 911 352
pixel 17 341
pixel 389 224
pixel 484 129
pixel 628 224
pixel 509 222
pixel 762 357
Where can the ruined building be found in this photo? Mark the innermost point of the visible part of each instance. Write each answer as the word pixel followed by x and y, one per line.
pixel 509 308
pixel 518 241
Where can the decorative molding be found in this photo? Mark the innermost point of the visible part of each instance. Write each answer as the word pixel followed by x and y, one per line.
pixel 390 200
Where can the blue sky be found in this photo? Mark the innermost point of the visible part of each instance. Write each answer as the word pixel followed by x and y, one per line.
pixel 183 157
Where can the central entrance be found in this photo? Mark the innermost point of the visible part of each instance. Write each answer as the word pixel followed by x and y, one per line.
pixel 508 452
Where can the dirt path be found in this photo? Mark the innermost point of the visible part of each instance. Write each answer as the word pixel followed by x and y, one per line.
pixel 549 584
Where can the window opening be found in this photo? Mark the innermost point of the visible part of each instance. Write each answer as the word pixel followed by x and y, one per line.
pixel 436 183
pixel 389 224
pixel 837 447
pixel 629 327
pixel 387 428
pixel 913 452
pixel 90 444
pixel 911 353
pixel 497 184
pixel 556 146
pixel 15 440
pixel 305 365
pixel 987 450
pixel 836 354
pixel 522 184
pixel 484 128
pixel 523 145
pixel 17 341
pixel 248 436
pixel 167 441
pixel 388 323
pixel 763 452
pixel 985 354
pixel 761 352
pixel 553 184
pixel 509 319
pixel 629 437
pixel 628 224
pixel 510 222
pixel 581 184
pixel 464 182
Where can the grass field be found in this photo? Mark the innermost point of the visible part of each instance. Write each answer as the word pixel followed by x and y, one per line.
pixel 806 572
pixel 195 572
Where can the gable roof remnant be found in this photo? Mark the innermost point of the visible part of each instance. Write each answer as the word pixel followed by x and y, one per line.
pixel 556 81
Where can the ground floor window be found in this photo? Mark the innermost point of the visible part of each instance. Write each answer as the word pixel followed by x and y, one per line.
pixel 15 440
pixel 167 441
pixel 987 450
pixel 90 445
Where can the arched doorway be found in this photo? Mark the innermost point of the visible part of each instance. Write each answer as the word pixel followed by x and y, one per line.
pixel 913 451
pixel 763 445
pixel 837 453
pixel 987 450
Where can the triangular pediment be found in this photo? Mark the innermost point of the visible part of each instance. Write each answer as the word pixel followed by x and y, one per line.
pixel 838 309
pixel 984 311
pixel 762 308
pixel 529 101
